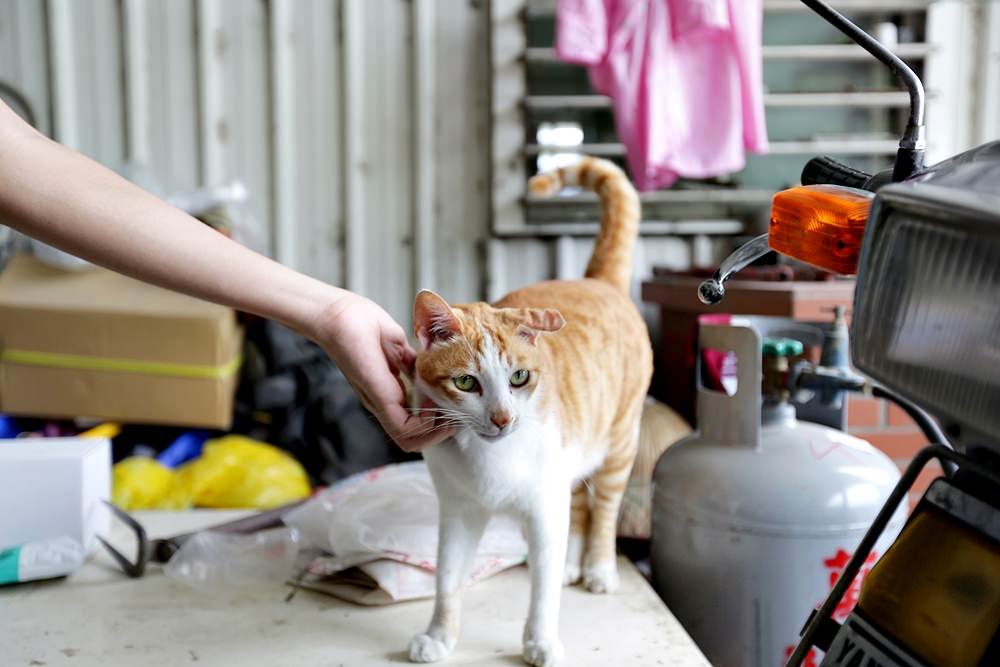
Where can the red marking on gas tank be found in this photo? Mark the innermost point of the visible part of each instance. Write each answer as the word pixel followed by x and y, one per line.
pixel 836 566
pixel 811 659
pixel 819 453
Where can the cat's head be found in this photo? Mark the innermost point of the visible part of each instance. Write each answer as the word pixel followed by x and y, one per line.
pixel 481 365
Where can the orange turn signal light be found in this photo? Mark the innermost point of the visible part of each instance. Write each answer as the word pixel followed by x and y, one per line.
pixel 822 225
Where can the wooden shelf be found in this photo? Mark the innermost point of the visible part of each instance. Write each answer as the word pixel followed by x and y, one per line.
pixel 855 6
pixel 867 6
pixel 913 51
pixel 827 145
pixel 801 300
pixel 646 228
pixel 859 99
pixel 677 196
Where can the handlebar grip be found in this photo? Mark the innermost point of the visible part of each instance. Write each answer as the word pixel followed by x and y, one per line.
pixel 826 170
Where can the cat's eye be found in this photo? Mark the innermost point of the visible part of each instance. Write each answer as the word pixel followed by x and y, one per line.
pixel 466 382
pixel 519 377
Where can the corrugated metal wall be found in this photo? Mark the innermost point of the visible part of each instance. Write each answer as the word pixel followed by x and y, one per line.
pixel 361 127
pixel 314 104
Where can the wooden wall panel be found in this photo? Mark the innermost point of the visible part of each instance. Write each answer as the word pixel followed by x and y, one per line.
pixel 235 110
pixel 461 206
pixel 306 169
pixel 384 161
pixel 24 56
pixel 87 87
pixel 161 90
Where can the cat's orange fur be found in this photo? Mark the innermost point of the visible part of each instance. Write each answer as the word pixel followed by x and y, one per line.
pixel 590 362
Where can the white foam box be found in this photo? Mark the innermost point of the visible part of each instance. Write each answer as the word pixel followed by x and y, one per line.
pixel 51 487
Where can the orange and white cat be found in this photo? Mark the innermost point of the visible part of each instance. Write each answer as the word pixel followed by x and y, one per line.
pixel 546 387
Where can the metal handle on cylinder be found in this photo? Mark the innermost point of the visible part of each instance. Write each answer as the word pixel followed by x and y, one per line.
pixel 733 420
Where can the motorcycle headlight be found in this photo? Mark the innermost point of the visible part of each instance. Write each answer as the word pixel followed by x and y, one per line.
pixel 926 318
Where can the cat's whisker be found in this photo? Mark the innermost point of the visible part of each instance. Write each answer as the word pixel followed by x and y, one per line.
pixel 440 424
pixel 439 411
pixel 448 424
pixel 445 415
pixel 435 409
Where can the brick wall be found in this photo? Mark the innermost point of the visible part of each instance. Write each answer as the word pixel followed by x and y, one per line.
pixel 891 430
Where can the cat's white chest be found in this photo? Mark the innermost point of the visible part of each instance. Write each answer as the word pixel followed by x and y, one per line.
pixel 507 474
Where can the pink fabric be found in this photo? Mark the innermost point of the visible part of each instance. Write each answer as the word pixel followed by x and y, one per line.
pixel 684 75
pixel 714 362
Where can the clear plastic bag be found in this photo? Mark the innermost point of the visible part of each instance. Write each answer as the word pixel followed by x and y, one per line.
pixel 380 529
pixel 230 208
pixel 211 560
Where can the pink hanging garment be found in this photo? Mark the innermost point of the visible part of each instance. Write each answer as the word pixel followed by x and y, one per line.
pixel 684 77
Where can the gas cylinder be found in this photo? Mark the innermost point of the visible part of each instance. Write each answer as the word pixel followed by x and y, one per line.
pixel 756 513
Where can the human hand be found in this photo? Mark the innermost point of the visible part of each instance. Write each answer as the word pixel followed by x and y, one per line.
pixel 371 350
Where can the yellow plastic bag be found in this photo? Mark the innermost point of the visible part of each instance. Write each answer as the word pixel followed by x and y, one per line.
pixel 140 483
pixel 235 471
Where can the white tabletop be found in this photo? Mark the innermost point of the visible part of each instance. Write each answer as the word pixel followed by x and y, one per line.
pixel 99 617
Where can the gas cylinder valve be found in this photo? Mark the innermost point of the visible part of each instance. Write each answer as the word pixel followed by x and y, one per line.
pixel 834 375
pixel 829 381
pixel 775 354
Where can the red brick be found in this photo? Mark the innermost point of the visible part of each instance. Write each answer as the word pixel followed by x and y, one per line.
pixel 931 472
pixel 864 412
pixel 898 446
pixel 897 417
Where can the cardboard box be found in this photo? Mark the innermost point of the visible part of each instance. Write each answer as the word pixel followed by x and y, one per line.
pixel 53 487
pixel 97 344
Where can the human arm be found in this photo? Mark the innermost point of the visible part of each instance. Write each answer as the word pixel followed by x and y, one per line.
pixel 62 198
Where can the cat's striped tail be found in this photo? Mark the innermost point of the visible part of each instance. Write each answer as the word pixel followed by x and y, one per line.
pixel 612 257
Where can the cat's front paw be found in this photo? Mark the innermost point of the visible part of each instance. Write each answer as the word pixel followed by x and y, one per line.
pixel 571 574
pixel 425 648
pixel 543 652
pixel 601 577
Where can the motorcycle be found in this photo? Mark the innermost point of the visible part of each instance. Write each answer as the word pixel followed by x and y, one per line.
pixel 924 245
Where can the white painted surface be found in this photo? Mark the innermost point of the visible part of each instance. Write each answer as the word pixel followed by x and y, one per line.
pixel 100 618
pixel 952 27
pixel 24 57
pixel 988 119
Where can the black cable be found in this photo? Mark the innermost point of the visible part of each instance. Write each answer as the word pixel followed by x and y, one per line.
pixel 927 425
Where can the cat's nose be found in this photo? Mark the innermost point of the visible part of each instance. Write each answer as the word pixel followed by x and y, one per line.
pixel 501 419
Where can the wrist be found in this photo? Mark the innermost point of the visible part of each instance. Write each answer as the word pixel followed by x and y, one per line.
pixel 322 322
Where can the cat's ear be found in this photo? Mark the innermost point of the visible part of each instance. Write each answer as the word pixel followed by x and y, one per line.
pixel 433 319
pixel 537 320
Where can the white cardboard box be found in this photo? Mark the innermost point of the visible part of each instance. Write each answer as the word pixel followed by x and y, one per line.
pixel 50 487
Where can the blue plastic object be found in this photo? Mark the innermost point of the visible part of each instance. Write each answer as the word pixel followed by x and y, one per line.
pixel 186 447
pixel 8 427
